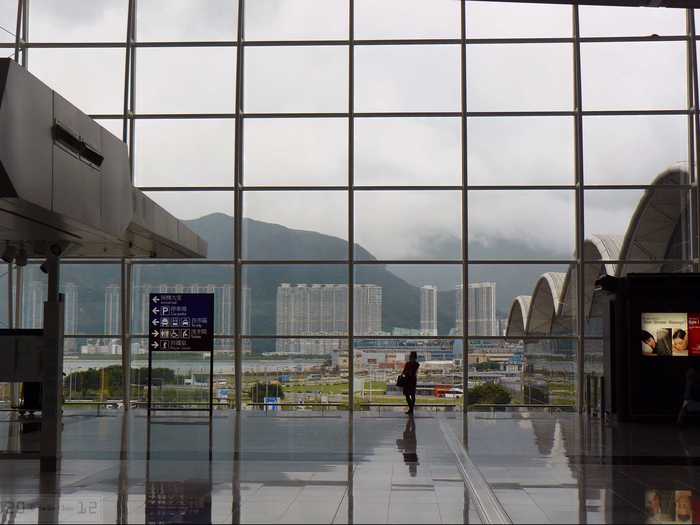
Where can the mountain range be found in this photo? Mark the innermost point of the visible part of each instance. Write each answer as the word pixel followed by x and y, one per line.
pixel 265 241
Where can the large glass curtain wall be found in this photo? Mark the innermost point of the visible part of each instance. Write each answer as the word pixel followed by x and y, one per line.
pixel 395 148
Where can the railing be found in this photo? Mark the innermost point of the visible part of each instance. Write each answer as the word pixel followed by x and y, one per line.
pixel 449 407
pixel 324 406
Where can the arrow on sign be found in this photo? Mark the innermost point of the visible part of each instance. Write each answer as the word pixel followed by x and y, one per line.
pixel 155 344
pixel 155 333
pixel 156 322
pixel 156 300
pixel 156 311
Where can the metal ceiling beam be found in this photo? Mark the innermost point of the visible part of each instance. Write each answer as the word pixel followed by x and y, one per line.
pixel 683 4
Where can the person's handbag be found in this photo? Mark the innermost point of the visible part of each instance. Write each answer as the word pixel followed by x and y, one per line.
pixel 401 380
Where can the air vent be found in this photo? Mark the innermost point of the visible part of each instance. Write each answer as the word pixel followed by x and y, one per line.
pixel 73 143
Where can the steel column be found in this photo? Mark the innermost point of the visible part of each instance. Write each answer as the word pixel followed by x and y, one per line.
pixel 465 212
pixel 580 219
pixel 351 208
pixel 238 210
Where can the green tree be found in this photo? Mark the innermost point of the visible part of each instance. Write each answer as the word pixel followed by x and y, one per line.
pixel 487 366
pixel 259 391
pixel 489 394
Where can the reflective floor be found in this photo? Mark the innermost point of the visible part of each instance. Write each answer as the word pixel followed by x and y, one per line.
pixel 313 468
pixel 261 469
pixel 564 469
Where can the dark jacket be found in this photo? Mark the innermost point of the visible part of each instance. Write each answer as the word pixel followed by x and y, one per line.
pixel 410 370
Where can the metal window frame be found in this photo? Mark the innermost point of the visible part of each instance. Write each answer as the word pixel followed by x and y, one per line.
pixel 578 186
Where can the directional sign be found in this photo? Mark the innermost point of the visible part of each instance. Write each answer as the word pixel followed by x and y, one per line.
pixel 169 312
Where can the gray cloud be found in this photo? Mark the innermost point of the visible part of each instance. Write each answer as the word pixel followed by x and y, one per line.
pixel 388 151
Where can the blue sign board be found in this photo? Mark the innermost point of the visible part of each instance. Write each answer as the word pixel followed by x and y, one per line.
pixel 181 322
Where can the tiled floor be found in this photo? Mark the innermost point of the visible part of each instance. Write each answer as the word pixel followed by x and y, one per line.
pixel 564 469
pixel 287 469
pixel 329 468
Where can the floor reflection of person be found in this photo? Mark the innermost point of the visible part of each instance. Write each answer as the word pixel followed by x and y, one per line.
pixel 410 372
pixel 408 446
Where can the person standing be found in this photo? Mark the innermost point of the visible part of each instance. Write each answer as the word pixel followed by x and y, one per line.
pixel 410 372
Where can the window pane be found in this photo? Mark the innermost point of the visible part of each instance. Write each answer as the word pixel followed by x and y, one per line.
pixel 183 278
pixel 633 75
pixel 656 221
pixel 407 300
pixel 295 225
pixel 530 299
pixel 379 361
pixel 408 78
pixel 208 213
pixel 522 77
pixel 408 151
pixel 550 375
pixel 381 19
pixel 186 80
pixel 184 152
pixel 34 293
pixel 296 20
pixel 91 79
pixel 93 370
pixel 520 150
pixel 114 126
pixel 309 372
pixel 531 224
pixel 288 152
pixel 296 79
pixel 92 299
pixel 178 20
pixel 517 20
pixel 4 284
pixel 182 383
pixel 628 21
pixel 77 20
pixel 8 26
pixel 633 149
pixel 296 300
pixel 409 225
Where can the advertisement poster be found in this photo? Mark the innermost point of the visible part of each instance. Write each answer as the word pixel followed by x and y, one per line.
pixel 694 334
pixel 671 506
pixel 665 334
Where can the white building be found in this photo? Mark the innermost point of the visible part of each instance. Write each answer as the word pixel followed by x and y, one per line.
pixel 428 310
pixel 322 309
pixel 482 309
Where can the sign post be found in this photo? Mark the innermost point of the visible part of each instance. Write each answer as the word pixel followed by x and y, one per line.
pixel 181 322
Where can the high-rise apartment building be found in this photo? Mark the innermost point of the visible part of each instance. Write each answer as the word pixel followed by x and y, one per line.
pixel 482 309
pixel 321 309
pixel 33 306
pixel 112 309
pixel 428 310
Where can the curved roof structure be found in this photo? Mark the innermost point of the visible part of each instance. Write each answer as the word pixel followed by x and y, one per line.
pixel 546 303
pixel 650 234
pixel 655 232
pixel 517 316
pixel 599 248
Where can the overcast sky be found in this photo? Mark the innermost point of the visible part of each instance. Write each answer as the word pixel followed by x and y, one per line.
pixel 501 151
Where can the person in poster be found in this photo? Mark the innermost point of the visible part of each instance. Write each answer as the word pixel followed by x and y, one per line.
pixel 680 342
pixel 664 334
pixel 684 506
pixel 660 345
